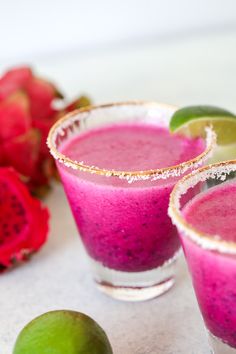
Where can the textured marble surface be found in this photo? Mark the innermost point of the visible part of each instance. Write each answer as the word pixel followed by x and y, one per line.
pixel 58 278
pixel 189 71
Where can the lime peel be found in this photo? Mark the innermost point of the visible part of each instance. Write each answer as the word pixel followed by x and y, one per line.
pixel 192 121
pixel 61 332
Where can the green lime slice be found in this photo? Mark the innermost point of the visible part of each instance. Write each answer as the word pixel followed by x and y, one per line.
pixel 191 121
pixel 62 332
pixel 224 152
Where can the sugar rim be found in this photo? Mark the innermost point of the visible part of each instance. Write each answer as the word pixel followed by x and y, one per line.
pixel 162 173
pixel 218 171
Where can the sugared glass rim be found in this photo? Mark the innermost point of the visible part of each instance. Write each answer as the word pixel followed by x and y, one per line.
pixel 218 171
pixel 166 172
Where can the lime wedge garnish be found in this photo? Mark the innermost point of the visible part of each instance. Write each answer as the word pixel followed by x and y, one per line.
pixel 224 152
pixel 191 121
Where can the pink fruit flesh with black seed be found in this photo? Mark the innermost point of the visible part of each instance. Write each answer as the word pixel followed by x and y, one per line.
pixel 23 220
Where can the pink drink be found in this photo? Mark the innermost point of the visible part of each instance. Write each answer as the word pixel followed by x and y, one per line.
pixel 118 164
pixel 213 212
pixel 124 226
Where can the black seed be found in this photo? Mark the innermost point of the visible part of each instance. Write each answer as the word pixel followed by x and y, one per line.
pixel 16 228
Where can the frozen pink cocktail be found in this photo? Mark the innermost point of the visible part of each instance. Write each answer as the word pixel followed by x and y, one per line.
pixel 209 243
pixel 214 274
pixel 124 226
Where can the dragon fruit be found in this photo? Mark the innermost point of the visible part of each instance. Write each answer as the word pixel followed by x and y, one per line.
pixel 22 151
pixel 14 117
pixel 27 113
pixel 82 101
pixel 41 94
pixel 13 80
pixel 23 221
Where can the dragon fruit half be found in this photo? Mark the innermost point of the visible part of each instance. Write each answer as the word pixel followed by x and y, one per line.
pixel 23 220
pixel 26 114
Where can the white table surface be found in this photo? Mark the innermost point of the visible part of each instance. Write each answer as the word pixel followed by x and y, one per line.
pixel 190 70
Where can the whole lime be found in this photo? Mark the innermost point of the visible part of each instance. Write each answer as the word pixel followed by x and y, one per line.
pixel 62 332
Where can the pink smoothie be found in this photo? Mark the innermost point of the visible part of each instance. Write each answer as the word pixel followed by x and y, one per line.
pixel 214 274
pixel 125 226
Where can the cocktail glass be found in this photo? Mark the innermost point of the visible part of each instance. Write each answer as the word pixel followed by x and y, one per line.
pixel 211 255
pixel 122 215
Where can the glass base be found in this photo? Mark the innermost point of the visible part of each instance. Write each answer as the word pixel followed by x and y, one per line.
pixel 136 294
pixel 134 286
pixel 219 347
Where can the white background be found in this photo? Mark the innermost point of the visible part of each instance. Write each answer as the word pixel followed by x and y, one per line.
pixel 30 29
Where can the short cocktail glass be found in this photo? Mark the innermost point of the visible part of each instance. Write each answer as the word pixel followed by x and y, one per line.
pixel 207 226
pixel 108 158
